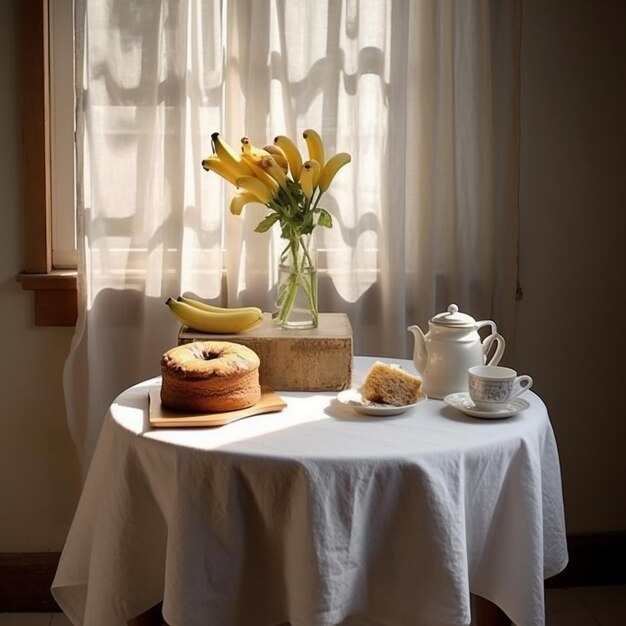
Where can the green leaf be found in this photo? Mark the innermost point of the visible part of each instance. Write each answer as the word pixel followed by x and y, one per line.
pixel 287 232
pixel 264 225
pixel 325 219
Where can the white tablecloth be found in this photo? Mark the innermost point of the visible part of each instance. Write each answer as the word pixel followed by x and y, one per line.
pixel 314 515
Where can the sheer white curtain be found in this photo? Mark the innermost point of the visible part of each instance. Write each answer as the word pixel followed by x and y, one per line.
pixel 422 94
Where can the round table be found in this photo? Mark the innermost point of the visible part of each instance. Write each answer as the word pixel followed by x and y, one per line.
pixel 315 515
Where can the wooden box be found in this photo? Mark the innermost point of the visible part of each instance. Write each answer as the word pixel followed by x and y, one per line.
pixel 319 359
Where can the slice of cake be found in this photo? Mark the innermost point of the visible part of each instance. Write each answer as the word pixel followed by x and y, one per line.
pixel 390 384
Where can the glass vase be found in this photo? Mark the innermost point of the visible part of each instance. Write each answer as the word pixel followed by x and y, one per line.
pixel 296 301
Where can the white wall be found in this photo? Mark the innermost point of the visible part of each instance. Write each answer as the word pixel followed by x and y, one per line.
pixel 39 474
pixel 571 321
pixel 571 324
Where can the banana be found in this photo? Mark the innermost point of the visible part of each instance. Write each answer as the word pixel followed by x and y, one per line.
pixel 269 165
pixel 333 165
pixel 216 309
pixel 252 153
pixel 229 157
pixel 240 200
pixel 215 164
pixel 224 321
pixel 315 144
pixel 256 187
pixel 278 155
pixel 262 175
pixel 294 158
pixel 308 177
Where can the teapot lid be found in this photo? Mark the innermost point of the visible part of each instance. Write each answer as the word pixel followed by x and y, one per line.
pixel 453 318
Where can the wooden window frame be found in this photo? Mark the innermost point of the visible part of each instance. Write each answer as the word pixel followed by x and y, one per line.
pixel 55 299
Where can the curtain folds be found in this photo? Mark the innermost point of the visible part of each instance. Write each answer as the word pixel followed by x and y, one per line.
pixel 424 95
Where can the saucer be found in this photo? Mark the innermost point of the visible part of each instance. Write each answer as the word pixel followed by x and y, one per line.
pixel 464 403
pixel 354 399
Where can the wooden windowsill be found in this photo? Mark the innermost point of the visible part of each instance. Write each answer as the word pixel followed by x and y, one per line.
pixel 56 302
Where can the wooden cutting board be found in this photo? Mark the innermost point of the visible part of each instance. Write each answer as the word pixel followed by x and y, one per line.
pixel 161 417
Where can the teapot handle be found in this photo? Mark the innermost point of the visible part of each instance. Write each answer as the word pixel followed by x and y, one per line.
pixel 497 355
pixel 484 323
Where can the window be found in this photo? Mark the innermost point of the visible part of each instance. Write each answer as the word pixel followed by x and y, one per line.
pixel 54 287
pixel 61 49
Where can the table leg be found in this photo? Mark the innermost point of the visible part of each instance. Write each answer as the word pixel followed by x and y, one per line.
pixel 489 614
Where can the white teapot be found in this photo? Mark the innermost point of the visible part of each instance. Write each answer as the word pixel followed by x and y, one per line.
pixel 451 346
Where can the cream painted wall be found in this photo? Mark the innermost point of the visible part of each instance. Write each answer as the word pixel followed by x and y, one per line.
pixel 571 320
pixel 571 323
pixel 39 474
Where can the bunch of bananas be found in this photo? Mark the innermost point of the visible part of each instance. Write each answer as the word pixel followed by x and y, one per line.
pixel 207 318
pixel 276 176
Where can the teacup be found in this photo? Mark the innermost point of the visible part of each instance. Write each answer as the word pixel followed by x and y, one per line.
pixel 492 387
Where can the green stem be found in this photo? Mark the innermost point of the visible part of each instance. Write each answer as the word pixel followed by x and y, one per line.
pixel 305 249
pixel 297 279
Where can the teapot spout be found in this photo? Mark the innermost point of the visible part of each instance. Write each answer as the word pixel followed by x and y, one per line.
pixel 419 350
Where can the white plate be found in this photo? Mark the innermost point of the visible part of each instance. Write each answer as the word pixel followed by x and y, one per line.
pixel 463 402
pixel 353 399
